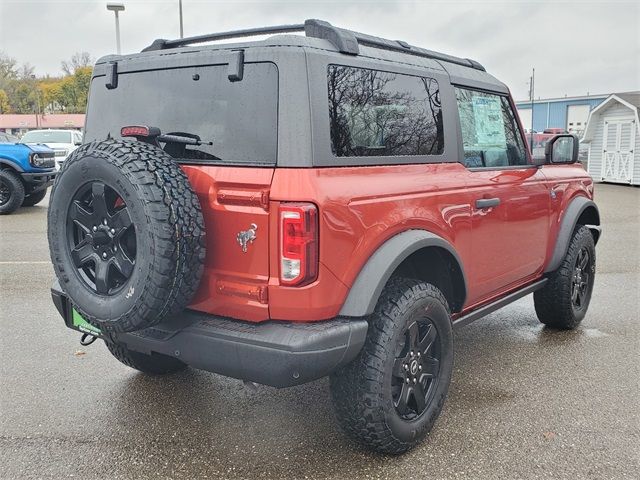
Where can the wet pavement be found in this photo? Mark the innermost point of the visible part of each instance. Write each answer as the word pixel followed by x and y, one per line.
pixel 525 401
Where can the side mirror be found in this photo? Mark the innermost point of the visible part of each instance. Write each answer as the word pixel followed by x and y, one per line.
pixel 562 148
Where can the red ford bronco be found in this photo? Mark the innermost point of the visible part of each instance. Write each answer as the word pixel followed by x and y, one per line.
pixel 302 206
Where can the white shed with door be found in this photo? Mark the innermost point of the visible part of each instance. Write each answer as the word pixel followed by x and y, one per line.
pixel 613 133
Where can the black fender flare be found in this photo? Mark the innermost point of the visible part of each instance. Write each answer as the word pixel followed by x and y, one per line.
pixel 11 164
pixel 375 273
pixel 572 214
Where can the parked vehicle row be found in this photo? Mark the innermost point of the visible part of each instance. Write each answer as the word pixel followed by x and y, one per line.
pixel 29 165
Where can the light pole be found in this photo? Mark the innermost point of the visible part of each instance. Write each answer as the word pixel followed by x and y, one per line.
pixel 115 8
pixel 180 7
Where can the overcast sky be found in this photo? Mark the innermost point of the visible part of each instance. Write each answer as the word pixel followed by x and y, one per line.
pixel 575 46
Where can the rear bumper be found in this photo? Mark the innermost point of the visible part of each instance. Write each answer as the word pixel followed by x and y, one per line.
pixel 280 354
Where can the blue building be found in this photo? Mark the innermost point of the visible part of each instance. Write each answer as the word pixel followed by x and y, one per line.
pixel 568 113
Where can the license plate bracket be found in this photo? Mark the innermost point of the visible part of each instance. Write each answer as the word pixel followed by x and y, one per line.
pixel 75 321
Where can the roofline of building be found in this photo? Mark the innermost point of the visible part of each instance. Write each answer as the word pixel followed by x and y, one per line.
pixel 564 99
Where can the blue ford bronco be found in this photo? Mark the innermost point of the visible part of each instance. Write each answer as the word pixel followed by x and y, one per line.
pixel 26 171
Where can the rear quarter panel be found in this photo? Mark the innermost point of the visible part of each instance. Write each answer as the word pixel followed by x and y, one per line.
pixel 360 208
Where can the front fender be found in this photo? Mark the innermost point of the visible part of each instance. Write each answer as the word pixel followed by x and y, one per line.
pixel 375 274
pixel 576 208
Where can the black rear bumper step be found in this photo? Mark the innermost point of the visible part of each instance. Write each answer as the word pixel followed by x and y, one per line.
pixel 280 354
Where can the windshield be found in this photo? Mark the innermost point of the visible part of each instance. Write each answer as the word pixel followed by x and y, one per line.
pixel 233 122
pixel 47 136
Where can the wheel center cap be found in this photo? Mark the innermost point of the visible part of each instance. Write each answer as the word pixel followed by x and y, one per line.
pixel 101 237
pixel 413 367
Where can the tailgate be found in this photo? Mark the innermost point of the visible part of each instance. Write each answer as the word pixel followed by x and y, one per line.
pixel 234 200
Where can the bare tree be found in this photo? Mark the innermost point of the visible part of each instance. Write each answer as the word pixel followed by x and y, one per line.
pixel 78 60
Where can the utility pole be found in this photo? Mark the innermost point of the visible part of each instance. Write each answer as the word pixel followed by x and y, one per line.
pixel 181 29
pixel 531 97
pixel 115 8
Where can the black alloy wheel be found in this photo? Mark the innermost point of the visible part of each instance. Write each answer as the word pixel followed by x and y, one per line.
pixel 102 238
pixel 416 368
pixel 580 279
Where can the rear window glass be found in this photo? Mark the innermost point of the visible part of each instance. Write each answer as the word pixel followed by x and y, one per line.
pixel 235 121
pixel 375 113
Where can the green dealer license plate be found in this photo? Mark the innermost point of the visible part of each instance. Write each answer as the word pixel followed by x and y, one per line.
pixel 79 323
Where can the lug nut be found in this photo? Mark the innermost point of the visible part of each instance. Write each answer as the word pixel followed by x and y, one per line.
pixel 407 380
pixel 104 254
pixel 411 353
pixel 418 354
pixel 104 221
pixel 419 367
pixel 113 231
pixel 95 229
pixel 414 380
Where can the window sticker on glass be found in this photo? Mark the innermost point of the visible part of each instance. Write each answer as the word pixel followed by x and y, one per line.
pixel 489 123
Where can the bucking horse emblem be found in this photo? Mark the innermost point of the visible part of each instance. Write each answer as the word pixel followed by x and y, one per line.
pixel 246 237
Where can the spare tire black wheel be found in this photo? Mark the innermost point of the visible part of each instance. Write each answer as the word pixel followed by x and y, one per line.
pixel 126 234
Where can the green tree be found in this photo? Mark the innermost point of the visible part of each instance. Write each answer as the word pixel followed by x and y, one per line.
pixel 5 107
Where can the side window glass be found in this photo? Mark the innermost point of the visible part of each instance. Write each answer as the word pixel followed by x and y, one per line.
pixel 490 134
pixel 375 113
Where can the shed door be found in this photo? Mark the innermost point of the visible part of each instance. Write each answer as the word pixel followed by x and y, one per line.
pixel 617 150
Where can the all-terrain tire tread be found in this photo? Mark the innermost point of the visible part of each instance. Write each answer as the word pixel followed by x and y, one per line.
pixel 356 389
pixel 174 213
pixel 553 301
pixel 17 196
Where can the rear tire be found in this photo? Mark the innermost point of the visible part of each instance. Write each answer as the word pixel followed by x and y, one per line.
pixel 562 303
pixel 390 396
pixel 11 192
pixel 34 198
pixel 155 364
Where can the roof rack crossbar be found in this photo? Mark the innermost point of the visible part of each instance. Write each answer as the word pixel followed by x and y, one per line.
pixel 249 32
pixel 404 47
pixel 346 41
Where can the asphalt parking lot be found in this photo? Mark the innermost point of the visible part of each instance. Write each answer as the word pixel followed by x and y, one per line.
pixel 525 402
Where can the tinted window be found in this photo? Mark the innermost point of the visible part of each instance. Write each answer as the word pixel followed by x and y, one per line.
pixel 374 113
pixel 490 134
pixel 239 119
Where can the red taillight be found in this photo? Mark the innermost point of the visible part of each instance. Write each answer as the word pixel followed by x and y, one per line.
pixel 298 243
pixel 134 131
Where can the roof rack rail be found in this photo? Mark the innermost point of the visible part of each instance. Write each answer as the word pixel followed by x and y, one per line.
pixel 346 41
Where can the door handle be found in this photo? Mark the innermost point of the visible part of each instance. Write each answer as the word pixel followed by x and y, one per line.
pixel 483 203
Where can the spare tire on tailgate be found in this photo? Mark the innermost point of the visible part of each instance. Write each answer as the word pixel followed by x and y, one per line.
pixel 126 234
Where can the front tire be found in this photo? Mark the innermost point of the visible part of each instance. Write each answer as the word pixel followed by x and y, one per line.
pixel 390 396
pixel 11 192
pixel 562 303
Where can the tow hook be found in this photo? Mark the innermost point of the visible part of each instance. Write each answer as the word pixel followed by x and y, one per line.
pixel 87 339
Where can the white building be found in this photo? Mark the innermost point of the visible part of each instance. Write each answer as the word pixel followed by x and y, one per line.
pixel 613 133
